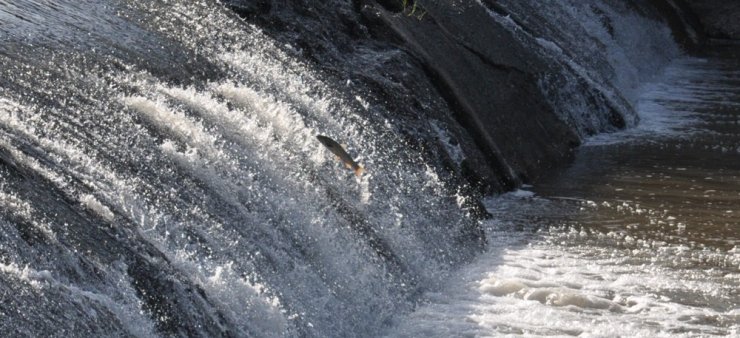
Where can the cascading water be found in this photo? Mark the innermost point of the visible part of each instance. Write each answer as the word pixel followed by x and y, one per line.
pixel 602 46
pixel 160 172
pixel 639 236
pixel 161 175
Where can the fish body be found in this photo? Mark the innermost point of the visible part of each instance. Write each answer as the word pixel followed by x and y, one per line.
pixel 341 154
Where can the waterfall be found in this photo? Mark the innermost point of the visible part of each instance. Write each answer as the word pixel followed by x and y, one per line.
pixel 160 172
pixel 605 51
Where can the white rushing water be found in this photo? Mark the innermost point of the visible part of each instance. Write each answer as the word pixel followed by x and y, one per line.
pixel 603 46
pixel 136 200
pixel 637 253
pixel 160 175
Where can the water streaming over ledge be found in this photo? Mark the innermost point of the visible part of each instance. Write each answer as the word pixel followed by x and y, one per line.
pixel 640 237
pixel 159 175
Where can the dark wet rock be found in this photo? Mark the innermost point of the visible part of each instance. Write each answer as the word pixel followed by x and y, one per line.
pixel 681 18
pixel 454 65
pixel 718 17
pixel 474 102
pixel 492 91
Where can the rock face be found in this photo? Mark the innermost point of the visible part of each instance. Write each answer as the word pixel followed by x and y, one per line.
pixel 719 18
pixel 498 81
pixel 161 173
pixel 492 90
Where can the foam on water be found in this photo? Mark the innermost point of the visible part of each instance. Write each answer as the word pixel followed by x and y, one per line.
pixel 645 249
pixel 213 194
pixel 667 107
pixel 658 107
pixel 139 201
pixel 573 280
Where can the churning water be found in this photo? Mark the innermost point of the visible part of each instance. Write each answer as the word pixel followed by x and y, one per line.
pixel 159 175
pixel 639 237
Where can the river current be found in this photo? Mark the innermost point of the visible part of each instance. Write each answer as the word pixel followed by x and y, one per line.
pixel 160 176
pixel 640 236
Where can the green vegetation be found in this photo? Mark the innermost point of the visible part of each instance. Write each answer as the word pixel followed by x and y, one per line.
pixel 413 9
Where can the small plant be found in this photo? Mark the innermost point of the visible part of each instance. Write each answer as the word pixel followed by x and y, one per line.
pixel 411 10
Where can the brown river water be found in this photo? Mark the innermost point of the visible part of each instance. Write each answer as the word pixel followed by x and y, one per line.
pixel 676 177
pixel 638 237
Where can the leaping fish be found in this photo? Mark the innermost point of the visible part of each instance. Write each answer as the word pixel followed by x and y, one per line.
pixel 341 154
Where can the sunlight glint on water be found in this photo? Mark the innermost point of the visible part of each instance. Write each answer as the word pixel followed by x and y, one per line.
pixel 640 237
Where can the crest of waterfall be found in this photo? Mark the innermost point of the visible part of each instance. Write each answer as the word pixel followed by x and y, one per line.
pixel 160 173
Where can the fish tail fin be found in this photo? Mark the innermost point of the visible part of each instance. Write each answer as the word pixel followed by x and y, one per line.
pixel 359 171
